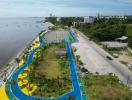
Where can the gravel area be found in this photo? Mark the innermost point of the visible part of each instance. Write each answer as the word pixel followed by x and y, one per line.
pixel 55 36
pixel 91 59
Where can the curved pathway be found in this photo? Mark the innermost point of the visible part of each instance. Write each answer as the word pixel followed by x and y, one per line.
pixel 18 94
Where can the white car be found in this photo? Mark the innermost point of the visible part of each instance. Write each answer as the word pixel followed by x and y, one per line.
pixel 130 65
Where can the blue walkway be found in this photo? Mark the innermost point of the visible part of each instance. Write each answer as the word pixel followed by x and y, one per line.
pixel 76 89
pixel 75 82
pixel 74 38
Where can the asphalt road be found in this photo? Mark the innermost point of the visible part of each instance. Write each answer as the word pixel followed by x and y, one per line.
pixel 124 74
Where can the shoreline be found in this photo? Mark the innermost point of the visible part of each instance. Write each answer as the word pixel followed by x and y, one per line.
pixel 6 72
pixel 20 52
pixel 17 55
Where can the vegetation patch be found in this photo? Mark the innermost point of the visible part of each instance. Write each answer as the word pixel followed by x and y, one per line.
pixel 106 87
pixel 50 73
pixel 107 30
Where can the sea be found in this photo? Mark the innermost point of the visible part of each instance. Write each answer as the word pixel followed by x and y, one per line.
pixel 15 34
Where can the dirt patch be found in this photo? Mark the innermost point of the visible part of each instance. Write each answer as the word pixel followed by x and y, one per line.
pixel 125 56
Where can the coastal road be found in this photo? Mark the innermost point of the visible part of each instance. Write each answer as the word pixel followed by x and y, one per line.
pixel 95 60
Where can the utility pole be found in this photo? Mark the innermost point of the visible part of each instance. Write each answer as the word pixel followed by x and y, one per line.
pixel 128 80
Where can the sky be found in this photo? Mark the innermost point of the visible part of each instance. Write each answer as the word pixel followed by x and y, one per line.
pixel 42 8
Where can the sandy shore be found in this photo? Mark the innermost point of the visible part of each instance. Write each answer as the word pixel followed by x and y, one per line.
pixel 49 24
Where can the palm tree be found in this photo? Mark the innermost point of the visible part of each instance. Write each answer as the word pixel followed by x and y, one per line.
pixel 33 45
pixel 36 42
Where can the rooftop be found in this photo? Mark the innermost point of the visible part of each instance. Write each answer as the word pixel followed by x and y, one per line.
pixel 114 44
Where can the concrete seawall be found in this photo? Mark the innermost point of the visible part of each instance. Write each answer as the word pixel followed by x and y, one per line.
pixel 6 72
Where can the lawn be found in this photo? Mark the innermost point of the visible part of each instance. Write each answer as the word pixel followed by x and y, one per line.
pixel 49 66
pixel 106 87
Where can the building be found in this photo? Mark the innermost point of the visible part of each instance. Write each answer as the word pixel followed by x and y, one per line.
pixel 122 39
pixel 77 23
pixel 118 17
pixel 114 44
pixel 58 19
pixel 89 19
pixel 100 16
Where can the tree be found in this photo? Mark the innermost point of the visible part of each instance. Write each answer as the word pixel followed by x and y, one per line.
pixel 17 61
pixel 104 29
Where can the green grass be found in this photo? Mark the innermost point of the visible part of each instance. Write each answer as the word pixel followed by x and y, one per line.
pixel 51 73
pixel 49 66
pixel 106 87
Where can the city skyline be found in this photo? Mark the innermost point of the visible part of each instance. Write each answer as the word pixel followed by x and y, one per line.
pixel 42 8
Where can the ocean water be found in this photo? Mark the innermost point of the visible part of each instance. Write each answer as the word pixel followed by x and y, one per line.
pixel 15 34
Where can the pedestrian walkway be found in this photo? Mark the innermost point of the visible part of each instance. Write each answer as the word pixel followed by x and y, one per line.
pixel 73 35
pixel 15 92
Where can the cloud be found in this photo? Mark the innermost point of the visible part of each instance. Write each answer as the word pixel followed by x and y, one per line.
pixel 64 7
pixel 126 1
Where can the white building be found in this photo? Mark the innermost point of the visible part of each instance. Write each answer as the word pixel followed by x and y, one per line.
pixel 58 19
pixel 89 19
pixel 100 16
pixel 118 17
pixel 77 23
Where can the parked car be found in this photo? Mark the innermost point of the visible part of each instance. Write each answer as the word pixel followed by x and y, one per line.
pixel 108 57
pixel 130 65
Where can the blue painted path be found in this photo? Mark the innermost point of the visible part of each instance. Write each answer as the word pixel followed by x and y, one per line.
pixel 16 91
pixel 74 38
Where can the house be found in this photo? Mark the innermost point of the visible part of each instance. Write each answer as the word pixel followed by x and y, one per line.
pixel 122 39
pixel 114 44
